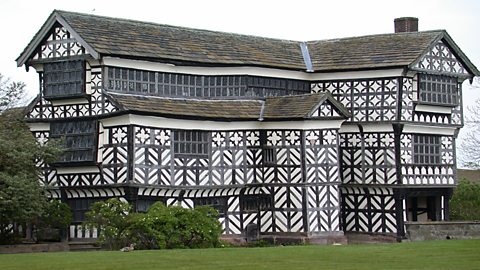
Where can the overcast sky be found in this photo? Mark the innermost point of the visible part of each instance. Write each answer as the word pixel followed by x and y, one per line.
pixel 295 20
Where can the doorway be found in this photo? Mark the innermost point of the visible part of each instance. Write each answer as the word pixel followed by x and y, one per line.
pixel 423 208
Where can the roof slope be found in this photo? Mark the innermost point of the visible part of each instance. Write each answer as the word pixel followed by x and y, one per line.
pixel 376 51
pixel 106 36
pixel 113 36
pixel 270 108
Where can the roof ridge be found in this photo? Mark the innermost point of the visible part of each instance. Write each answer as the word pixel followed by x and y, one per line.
pixel 438 31
pixel 240 34
pixel 187 28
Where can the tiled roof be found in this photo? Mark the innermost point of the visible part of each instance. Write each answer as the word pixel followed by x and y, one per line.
pixel 112 36
pixel 270 108
pixel 298 106
pixel 226 109
pixel 107 36
pixel 376 51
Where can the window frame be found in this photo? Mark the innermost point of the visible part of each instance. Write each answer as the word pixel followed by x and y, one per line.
pixel 85 205
pixel 130 80
pixel 269 156
pixel 185 141
pixel 143 204
pixel 217 203
pixel 72 137
pixel 254 203
pixel 427 149
pixel 437 90
pixel 51 78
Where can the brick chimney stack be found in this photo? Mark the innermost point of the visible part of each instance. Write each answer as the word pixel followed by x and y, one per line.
pixel 406 24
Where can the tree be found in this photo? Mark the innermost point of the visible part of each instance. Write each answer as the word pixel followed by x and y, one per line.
pixel 53 222
pixel 11 93
pixel 21 196
pixel 470 145
pixel 465 202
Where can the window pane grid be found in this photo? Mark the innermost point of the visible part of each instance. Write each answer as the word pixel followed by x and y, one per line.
pixel 217 203
pixel 181 85
pixel 269 156
pixel 80 207
pixel 426 149
pixel 190 143
pixel 64 78
pixel 438 89
pixel 78 138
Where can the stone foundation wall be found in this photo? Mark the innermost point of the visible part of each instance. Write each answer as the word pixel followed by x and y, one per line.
pixel 289 239
pixel 442 230
pixel 370 238
pixel 28 248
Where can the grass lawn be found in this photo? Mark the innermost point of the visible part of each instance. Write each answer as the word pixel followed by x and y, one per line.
pixel 454 254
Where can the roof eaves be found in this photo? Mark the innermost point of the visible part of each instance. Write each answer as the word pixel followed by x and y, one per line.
pixel 39 36
pixel 451 43
pixel 32 103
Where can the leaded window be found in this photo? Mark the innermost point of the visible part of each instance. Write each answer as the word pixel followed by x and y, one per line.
pixel 189 85
pixel 191 143
pixel 255 203
pixel 438 90
pixel 144 203
pixel 269 153
pixel 131 80
pixel 426 149
pixel 262 86
pixel 269 156
pixel 79 140
pixel 217 203
pixel 64 79
pixel 80 207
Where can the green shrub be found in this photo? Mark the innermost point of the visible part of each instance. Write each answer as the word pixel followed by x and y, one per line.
pixel 465 202
pixel 54 221
pixel 56 215
pixel 161 227
pixel 176 227
pixel 111 218
pixel 141 232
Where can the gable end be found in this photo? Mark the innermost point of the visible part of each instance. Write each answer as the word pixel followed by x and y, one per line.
pixel 445 57
pixel 55 40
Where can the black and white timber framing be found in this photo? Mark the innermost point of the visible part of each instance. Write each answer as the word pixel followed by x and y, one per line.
pixel 306 146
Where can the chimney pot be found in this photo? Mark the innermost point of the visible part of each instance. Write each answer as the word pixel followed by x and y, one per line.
pixel 406 24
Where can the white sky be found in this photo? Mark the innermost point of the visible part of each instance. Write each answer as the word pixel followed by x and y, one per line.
pixel 295 19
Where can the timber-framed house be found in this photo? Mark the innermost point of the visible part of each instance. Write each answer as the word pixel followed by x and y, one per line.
pixel 284 138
